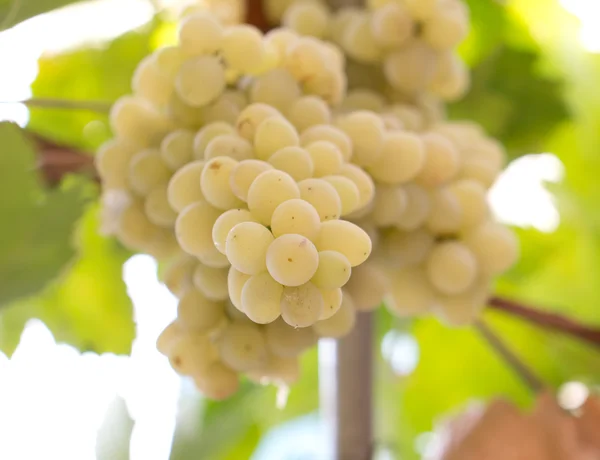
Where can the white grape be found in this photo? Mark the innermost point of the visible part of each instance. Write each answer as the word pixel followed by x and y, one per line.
pixel 286 341
pixel 151 84
pixel 236 281
pixel 348 192
pixel 184 187
pixel 471 197
pixel 158 209
pixel 368 286
pixel 402 158
pixel 193 228
pixel 212 282
pixel 261 298
pixel 214 183
pixel 168 337
pixel 205 69
pixel 246 247
pixel 229 145
pixel 147 171
pixel 295 161
pixel 135 119
pixel 178 274
pixel 333 272
pixel 218 382
pixel 344 237
pixel 252 116
pixel 412 67
pixel 391 25
pixel 276 88
pixel 358 40
pixel 446 214
pixel 301 306
pixel 328 133
pixel 200 34
pixel 367 132
pixel 417 208
pixel 323 196
pixel 406 249
pixel 307 18
pixel 363 181
pixel 112 162
pixel 308 111
pixel 242 347
pixel 295 216
pixel 292 259
pixel 207 134
pixel 269 190
pixel 243 175
pixel 192 354
pixel 442 161
pixel 332 301
pixel 495 247
pixel 326 158
pixel 451 267
pixel 389 205
pixel 446 29
pixel 272 135
pixel 341 323
pixel 243 48
pixel 225 223
pixel 198 314
pixel 410 293
pixel 177 148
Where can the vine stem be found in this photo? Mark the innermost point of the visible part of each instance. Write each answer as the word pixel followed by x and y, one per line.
pixel 528 377
pixel 548 320
pixel 53 103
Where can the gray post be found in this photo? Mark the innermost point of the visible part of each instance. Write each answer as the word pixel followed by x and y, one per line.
pixel 346 374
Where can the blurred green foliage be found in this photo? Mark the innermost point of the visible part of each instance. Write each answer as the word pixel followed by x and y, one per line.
pixel 533 88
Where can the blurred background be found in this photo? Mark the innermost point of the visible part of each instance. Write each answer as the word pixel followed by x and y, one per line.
pixel 79 374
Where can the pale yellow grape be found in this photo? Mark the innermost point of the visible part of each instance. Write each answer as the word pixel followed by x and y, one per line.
pixel 235 284
pixel 389 205
pixel 229 145
pixel 135 230
pixel 471 196
pixel 269 190
pixel 243 347
pixel 286 341
pixel 368 286
pixel 367 132
pixel 221 109
pixel 184 187
pixel 301 306
pixel 392 122
pixel 341 323
pixel 410 294
pixel 272 135
pixel 446 29
pixel 362 180
pixel 341 19
pixel 292 259
pixel 323 196
pixel 261 298
pixel 184 114
pixel 308 111
pixel 178 274
pixel 205 69
pixel 214 258
pixel 307 18
pixel 344 237
pixel 392 25
pixel 330 84
pixel 207 134
pixel 480 171
pixel 212 282
pixel 279 371
pixel 198 314
pixel 247 245
pixel 233 314
pixel 192 354
pixel 333 272
pixel 219 382
pixel 225 223
pixel 328 133
pixel 370 228
pixel 358 40
pixel 281 39
pixel 177 149
pixel 147 171
pixel 276 88
pixel 348 192
pixel 406 249
pixel 158 209
pixel 136 119
pixel 149 83
pixel 452 78
pixel 463 309
pixel 193 228
pixel 200 33
pixel 332 301
pixel 446 214
pixel 451 267
pixel 244 174
pixel 496 247
pixel 112 162
pixel 411 117
pixel 363 99
pixel 243 48
pixel 252 116
pixel 295 216
pixel 295 161
pixel 411 68
pixel 168 61
pixel 402 158
pixel 442 161
pixel 237 97
pixel 418 207
pixel 305 58
pixel 214 183
pixel 168 337
pixel 326 157
pixel 422 9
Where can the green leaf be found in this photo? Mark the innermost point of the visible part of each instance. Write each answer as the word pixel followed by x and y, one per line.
pixel 14 11
pixel 35 238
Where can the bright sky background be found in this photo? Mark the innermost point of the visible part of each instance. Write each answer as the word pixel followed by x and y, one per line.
pixel 53 399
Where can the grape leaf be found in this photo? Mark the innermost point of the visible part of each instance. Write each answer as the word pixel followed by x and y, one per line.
pixel 14 11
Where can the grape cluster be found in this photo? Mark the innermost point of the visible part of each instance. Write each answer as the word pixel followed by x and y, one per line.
pixel 281 202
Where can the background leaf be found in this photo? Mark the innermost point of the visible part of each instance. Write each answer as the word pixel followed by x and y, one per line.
pixel 14 11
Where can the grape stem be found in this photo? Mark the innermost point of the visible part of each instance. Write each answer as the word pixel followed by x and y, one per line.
pixel 53 103
pixel 514 362
pixel 548 320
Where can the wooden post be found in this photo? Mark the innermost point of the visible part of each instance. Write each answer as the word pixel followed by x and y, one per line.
pixel 346 384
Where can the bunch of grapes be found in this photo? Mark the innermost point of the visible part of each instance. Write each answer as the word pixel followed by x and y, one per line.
pixel 282 203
